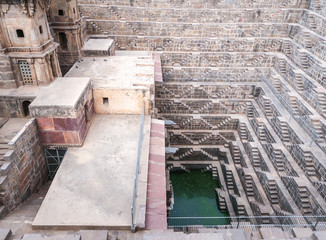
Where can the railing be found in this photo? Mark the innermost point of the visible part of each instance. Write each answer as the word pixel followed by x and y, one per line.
pixel 134 196
pixel 252 223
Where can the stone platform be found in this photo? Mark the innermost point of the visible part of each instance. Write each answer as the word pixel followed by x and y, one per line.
pixel 93 187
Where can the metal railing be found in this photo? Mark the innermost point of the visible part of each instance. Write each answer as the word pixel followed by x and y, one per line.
pixel 140 142
pixel 252 223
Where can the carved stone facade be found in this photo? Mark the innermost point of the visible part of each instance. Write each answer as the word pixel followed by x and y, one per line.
pixel 69 29
pixel 28 50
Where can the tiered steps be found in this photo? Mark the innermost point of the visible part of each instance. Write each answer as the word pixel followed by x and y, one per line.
pixel 322 101
pixel 310 169
pixel 268 108
pixel 261 131
pixel 255 157
pixel 307 39
pixel 185 154
pixel 279 160
pixel 284 132
pixel 272 190
pixel 205 138
pixel 287 48
pixel 229 180
pixel 312 22
pixel 221 199
pixel 299 82
pixel 214 173
pixel 250 111
pixel 249 186
pixel 303 60
pixel 282 65
pixel 304 199
pixel 236 154
pixel 241 210
pixel 208 155
pixel 225 121
pixel 294 105
pixel 3 150
pixel 317 128
pixel 243 131
pixel 6 74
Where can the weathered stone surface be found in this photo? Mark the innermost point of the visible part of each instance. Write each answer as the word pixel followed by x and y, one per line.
pixel 5 234
pixel 302 232
pixel 35 236
pixel 94 234
pixel 272 233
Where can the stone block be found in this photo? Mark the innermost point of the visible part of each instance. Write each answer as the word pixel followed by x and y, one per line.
pixel 319 235
pixel 71 137
pixel 233 234
pixel 6 166
pixel 272 233
pixel 45 123
pixel 94 234
pixel 65 124
pixel 5 234
pixel 36 236
pixel 52 137
pixel 302 232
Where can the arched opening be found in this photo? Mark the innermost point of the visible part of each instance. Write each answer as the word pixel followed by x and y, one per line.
pixel 60 12
pixel 20 33
pixel 25 108
pixel 63 41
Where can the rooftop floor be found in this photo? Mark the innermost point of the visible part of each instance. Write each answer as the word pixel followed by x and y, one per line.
pixel 61 92
pixel 94 184
pixel 115 71
pixel 97 44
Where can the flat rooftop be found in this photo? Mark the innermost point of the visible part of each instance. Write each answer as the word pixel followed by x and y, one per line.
pixel 62 92
pixel 98 44
pixel 94 184
pixel 115 71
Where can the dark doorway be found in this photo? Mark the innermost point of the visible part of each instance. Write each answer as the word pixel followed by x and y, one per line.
pixel 60 12
pixel 63 41
pixel 86 113
pixel 25 108
pixel 20 33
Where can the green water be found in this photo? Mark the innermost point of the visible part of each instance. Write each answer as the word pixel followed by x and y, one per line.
pixel 194 196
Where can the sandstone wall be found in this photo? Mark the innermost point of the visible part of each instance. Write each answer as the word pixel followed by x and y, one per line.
pixel 24 170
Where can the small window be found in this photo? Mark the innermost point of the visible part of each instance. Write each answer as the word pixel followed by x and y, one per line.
pixel 74 10
pixel 41 29
pixel 20 33
pixel 106 101
pixel 60 12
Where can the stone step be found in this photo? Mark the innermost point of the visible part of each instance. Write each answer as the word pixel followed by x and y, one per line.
pixel 3 146
pixel 94 234
pixel 37 236
pixel 5 234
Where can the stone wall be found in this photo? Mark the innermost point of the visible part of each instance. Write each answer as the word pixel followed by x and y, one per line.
pixel 11 106
pixel 66 126
pixel 24 170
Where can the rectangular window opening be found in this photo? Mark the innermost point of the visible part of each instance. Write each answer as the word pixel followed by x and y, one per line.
pixel 20 33
pixel 106 101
